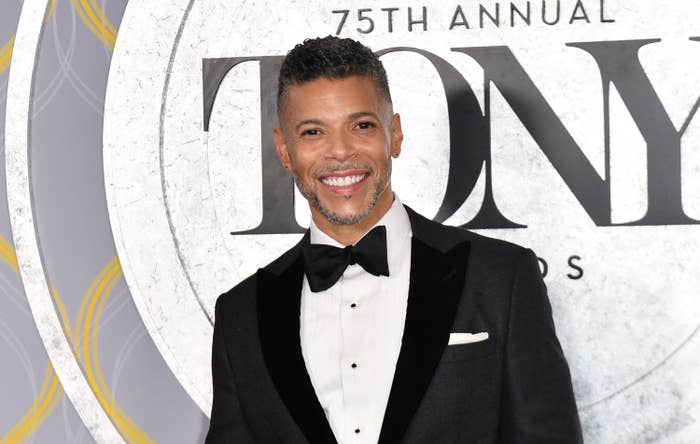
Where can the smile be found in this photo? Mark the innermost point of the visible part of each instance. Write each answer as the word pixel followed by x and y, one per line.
pixel 344 181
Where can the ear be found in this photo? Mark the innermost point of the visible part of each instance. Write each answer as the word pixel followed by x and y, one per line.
pixel 396 135
pixel 281 148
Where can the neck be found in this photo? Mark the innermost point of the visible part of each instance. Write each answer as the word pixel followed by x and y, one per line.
pixel 349 234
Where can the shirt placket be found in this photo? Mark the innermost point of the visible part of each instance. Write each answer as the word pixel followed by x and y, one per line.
pixel 353 363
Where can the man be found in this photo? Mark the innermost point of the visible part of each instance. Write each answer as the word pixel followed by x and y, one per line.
pixel 380 325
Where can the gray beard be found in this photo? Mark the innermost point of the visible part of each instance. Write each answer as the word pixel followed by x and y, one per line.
pixel 335 218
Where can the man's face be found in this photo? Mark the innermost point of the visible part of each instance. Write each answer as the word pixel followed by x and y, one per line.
pixel 337 137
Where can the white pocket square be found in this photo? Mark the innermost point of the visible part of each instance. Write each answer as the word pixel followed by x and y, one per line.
pixel 467 338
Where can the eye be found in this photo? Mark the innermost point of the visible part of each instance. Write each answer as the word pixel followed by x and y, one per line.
pixel 310 132
pixel 366 125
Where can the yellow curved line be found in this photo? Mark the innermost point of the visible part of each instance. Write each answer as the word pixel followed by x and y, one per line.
pixel 94 356
pixel 7 47
pixel 102 17
pixel 84 304
pixel 92 307
pixel 51 390
pixel 6 50
pixel 49 9
pixel 39 399
pixel 23 430
pixel 131 432
pixel 134 430
pixel 8 255
pixel 65 321
pixel 93 17
pixel 50 406
pixel 6 54
pixel 98 18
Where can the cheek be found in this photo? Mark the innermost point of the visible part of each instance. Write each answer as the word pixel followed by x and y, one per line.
pixel 303 167
pixel 384 162
pixel 378 152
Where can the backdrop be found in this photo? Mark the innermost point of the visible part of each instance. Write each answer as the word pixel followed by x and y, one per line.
pixel 141 183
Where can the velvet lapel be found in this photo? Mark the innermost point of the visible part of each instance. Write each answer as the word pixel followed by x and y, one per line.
pixel 279 297
pixel 436 283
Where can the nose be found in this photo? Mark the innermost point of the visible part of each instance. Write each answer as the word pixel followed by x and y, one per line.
pixel 341 146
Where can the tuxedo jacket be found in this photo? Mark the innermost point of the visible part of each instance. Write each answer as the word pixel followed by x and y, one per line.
pixel 514 387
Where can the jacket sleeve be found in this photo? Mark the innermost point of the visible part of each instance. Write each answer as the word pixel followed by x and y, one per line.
pixel 538 404
pixel 226 424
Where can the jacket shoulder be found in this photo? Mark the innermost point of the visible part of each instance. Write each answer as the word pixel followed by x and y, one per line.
pixel 245 292
pixel 500 247
pixel 230 302
pixel 445 237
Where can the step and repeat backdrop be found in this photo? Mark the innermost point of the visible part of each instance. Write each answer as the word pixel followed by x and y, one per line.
pixel 141 183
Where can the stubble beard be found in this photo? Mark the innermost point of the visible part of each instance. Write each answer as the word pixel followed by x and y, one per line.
pixel 312 196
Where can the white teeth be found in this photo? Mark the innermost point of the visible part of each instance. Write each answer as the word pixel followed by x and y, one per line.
pixel 342 181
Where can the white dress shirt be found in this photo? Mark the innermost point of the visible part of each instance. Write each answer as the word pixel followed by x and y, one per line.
pixel 351 334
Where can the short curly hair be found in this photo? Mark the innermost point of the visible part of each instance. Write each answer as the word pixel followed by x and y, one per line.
pixel 331 58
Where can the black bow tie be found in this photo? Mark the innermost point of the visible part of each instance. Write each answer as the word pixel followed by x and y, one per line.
pixel 324 264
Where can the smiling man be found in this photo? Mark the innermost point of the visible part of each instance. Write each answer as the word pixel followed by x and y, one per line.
pixel 380 325
pixel 337 137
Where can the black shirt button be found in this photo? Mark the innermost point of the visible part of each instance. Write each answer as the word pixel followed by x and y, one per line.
pixel 353 365
pixel 353 305
pixel 357 430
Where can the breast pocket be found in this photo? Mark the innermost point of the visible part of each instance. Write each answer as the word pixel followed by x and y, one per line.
pixel 473 350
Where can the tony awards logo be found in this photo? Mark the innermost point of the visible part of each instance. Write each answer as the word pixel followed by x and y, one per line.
pixel 567 126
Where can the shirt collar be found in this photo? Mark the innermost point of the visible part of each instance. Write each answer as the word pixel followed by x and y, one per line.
pixel 398 232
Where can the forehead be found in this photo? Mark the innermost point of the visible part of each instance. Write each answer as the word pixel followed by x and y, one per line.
pixel 331 98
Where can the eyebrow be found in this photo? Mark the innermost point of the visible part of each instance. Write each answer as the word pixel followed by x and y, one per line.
pixel 352 116
pixel 360 114
pixel 308 122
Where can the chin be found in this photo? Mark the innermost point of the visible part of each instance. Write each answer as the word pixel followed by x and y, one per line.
pixel 345 217
pixel 342 210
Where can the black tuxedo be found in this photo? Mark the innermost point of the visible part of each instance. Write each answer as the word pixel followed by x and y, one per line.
pixel 513 387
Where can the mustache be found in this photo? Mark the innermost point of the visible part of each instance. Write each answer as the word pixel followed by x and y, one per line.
pixel 340 167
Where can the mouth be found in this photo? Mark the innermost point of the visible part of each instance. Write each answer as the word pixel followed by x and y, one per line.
pixel 344 182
